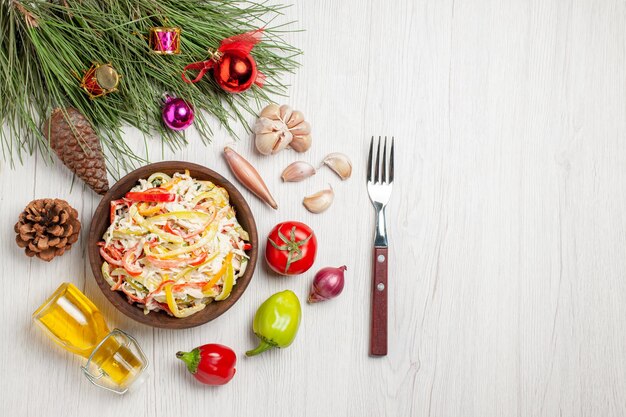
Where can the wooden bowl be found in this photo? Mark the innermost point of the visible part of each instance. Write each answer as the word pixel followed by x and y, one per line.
pixel 101 222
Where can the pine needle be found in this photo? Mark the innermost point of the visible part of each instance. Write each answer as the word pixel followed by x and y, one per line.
pixel 47 45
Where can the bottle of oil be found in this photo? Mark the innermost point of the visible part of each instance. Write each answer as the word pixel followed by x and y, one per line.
pixel 75 323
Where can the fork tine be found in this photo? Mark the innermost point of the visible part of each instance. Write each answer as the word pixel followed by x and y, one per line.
pixel 384 173
pixel 391 161
pixel 377 167
pixel 369 161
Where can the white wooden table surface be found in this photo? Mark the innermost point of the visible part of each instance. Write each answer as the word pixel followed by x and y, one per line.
pixel 507 225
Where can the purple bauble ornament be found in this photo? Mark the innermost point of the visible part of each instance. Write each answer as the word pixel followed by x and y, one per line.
pixel 177 113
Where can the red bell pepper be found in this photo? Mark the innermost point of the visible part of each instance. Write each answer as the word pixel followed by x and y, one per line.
pixel 186 236
pixel 169 229
pixel 115 252
pixel 116 204
pixel 194 234
pixel 165 307
pixel 211 364
pixel 176 263
pixel 164 263
pixel 150 296
pixel 196 285
pixel 109 258
pixel 153 195
pixel 129 261
pixel 118 284
pixel 197 261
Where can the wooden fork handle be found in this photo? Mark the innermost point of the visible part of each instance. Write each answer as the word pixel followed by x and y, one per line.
pixel 378 334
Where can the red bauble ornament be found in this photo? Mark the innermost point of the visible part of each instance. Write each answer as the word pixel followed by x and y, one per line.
pixel 235 72
pixel 234 69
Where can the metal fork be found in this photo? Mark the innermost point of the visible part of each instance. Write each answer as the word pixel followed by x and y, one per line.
pixel 379 182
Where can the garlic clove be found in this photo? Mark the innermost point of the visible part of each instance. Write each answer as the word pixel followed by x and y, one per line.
pixel 300 143
pixel 296 118
pixel 265 125
pixel 285 112
pixel 297 171
pixel 303 128
pixel 265 142
pixel 339 163
pixel 272 142
pixel 272 111
pixel 320 201
pixel 283 141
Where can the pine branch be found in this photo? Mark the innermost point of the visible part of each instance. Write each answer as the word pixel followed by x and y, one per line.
pixel 48 44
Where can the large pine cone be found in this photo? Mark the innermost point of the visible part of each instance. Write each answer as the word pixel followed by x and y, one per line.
pixel 84 157
pixel 47 228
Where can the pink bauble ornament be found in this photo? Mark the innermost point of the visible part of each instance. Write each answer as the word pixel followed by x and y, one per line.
pixel 177 113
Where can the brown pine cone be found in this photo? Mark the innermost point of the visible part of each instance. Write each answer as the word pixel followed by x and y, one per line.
pixel 84 157
pixel 47 228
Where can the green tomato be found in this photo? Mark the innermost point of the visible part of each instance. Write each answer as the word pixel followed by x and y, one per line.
pixel 276 322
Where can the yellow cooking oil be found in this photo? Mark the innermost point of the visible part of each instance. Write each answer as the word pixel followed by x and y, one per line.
pixel 76 324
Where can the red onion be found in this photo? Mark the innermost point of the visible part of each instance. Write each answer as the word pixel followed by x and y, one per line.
pixel 327 284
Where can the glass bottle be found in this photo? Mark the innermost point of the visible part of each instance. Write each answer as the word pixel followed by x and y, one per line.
pixel 114 359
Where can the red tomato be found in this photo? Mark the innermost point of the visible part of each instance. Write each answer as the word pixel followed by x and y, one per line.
pixel 291 248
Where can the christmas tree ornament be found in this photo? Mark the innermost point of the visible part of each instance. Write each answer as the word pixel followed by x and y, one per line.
pixel 177 113
pixel 164 40
pixel 100 80
pixel 53 43
pixel 76 143
pixel 47 228
pixel 235 72
pixel 234 68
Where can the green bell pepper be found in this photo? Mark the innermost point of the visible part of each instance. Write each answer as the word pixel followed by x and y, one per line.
pixel 276 322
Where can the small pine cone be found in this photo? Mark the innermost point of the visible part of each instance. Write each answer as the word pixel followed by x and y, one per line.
pixel 47 228
pixel 84 157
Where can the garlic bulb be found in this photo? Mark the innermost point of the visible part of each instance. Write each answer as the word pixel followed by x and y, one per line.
pixel 279 127
pixel 272 136
pixel 339 163
pixel 297 171
pixel 320 201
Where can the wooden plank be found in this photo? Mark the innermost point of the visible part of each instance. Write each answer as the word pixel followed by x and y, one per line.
pixel 506 267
